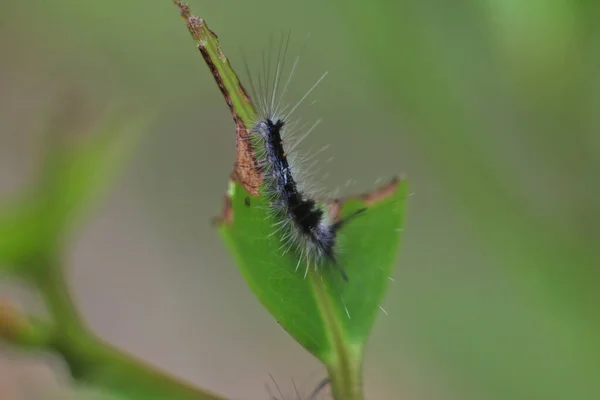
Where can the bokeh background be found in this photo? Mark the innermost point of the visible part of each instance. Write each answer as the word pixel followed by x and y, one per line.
pixel 489 107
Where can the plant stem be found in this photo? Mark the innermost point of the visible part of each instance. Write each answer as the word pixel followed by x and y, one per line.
pixel 92 360
pixel 346 381
pixel 345 368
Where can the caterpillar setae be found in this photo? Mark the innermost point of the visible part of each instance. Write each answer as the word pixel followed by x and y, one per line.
pixel 304 223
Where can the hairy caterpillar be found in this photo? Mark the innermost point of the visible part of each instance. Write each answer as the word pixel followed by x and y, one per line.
pixel 304 223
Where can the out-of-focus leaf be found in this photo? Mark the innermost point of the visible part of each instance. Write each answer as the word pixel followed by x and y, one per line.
pixel 539 62
pixel 77 170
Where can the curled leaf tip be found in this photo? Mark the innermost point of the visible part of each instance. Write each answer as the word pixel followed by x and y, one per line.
pixel 380 193
pixel 226 217
pixel 334 206
pixel 334 209
pixel 244 170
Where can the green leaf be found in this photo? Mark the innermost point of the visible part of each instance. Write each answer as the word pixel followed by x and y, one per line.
pixel 330 318
pixel 77 169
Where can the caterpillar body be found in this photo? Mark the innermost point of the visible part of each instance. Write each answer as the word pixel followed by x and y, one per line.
pixel 304 223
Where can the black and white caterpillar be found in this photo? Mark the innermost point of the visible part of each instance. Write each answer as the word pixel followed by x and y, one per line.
pixel 304 223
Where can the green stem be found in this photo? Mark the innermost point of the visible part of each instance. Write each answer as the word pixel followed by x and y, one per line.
pixel 345 368
pixel 49 279
pixel 97 362
pixel 346 381
pixel 92 360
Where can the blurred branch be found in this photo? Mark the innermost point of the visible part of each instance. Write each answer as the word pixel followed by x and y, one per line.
pixel 89 358
pixel 78 167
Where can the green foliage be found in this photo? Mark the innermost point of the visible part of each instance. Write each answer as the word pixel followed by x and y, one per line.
pixel 330 318
pixel 314 310
pixel 77 169
pixel 499 97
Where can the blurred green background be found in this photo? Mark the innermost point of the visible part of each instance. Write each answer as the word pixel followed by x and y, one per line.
pixel 489 107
